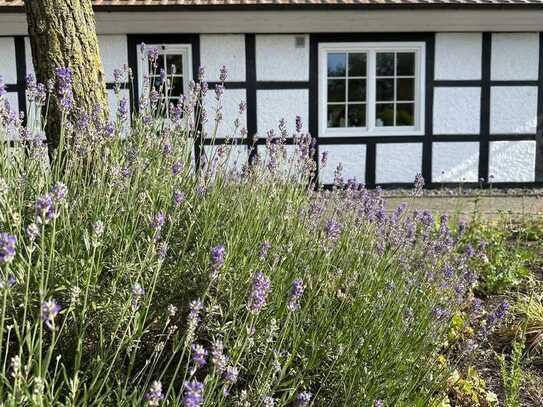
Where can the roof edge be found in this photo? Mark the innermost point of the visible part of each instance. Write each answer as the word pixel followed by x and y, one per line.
pixel 299 7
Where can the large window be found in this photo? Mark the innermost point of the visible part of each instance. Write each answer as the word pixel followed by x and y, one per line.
pixel 371 89
pixel 174 60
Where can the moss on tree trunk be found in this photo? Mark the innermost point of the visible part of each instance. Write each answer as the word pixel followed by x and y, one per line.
pixel 63 34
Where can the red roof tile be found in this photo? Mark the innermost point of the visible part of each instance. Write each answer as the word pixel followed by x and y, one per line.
pixel 157 4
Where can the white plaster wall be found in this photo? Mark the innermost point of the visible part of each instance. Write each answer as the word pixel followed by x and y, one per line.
pixel 273 105
pixel 399 162
pixel 455 162
pixel 513 109
pixel 230 158
pixel 231 100
pixel 352 158
pixel 28 57
pixel 278 59
pixel 219 50
pixel 457 110
pixel 8 69
pixel 458 56
pixel 515 56
pixel 512 161
pixel 114 54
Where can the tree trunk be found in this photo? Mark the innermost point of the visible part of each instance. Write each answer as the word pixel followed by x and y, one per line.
pixel 63 34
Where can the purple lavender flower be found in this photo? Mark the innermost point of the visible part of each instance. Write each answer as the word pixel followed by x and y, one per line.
pixel 45 210
pixel 303 398
pixel 324 158
pixel 378 403
pixel 7 248
pixel 162 250
pixel 155 395
pixel 332 230
pixel 64 77
pixel 298 124
pixel 2 86
pixel 223 74
pixel 32 232
pixel 217 259
pixel 122 110
pixel 162 75
pixel 199 355
pixel 264 249
pixel 158 222
pixel 60 191
pixel 152 54
pixel 49 311
pixel 231 374
pixel 268 401
pixel 178 198
pixel 137 293
pixel 218 357
pixel 9 282
pixel 260 291
pixel 177 167
pixel 296 295
pixel 418 184
pixel 194 394
pixel 194 315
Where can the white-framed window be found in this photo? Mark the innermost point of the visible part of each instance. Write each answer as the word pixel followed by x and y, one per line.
pixel 371 89
pixel 176 60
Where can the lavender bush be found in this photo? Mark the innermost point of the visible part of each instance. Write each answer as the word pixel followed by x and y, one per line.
pixel 130 277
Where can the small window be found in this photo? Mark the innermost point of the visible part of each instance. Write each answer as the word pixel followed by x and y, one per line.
pixel 371 89
pixel 172 59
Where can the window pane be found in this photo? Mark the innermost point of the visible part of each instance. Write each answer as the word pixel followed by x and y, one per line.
pixel 385 64
pixel 385 90
pixel 336 90
pixel 406 63
pixel 336 115
pixel 176 86
pixel 406 89
pixel 357 64
pixel 356 115
pixel 155 81
pixel 384 114
pixel 176 61
pixel 336 64
pixel 405 114
pixel 357 90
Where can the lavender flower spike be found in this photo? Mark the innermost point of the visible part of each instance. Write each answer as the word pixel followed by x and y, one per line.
pixel 199 355
pixel 7 248
pixel 259 294
pixel 217 259
pixel 303 398
pixel 155 395
pixel 49 311
pixel 194 394
pixel 296 295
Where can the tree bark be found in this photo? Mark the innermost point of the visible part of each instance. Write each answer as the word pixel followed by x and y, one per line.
pixel 63 34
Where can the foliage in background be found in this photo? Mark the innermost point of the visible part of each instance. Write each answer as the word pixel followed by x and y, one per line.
pixel 129 276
